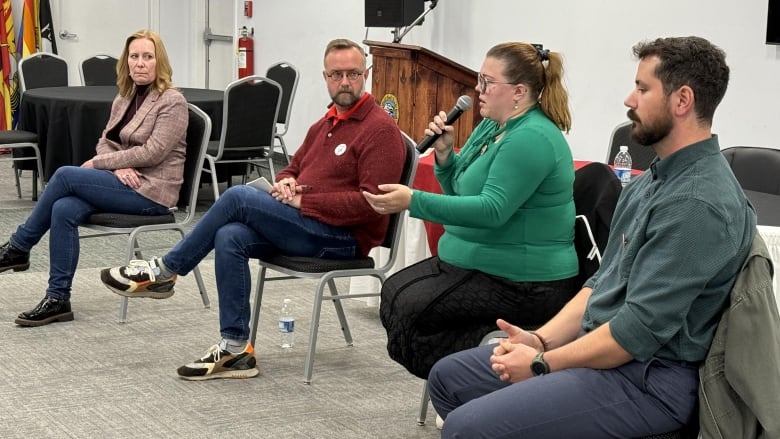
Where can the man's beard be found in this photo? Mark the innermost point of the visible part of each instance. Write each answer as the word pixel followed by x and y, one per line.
pixel 652 132
pixel 345 98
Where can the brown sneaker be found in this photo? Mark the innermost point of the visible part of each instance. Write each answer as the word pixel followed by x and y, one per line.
pixel 138 279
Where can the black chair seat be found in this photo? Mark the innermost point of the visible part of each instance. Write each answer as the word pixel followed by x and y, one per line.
pixel 17 136
pixel 118 220
pixel 316 265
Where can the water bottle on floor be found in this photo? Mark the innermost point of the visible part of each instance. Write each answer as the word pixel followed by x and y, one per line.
pixel 286 325
pixel 622 165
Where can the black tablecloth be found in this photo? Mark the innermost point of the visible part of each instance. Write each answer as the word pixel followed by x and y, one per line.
pixel 70 120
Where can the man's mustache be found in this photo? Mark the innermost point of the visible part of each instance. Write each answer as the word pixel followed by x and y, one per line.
pixel 632 116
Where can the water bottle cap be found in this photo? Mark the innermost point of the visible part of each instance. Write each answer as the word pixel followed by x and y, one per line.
pixel 623 148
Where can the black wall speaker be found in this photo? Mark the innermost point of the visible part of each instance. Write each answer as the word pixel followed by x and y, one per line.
pixel 772 22
pixel 392 13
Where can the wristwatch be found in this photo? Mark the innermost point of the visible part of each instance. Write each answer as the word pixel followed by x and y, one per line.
pixel 539 366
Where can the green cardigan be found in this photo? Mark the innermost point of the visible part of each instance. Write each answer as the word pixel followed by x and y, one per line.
pixel 507 208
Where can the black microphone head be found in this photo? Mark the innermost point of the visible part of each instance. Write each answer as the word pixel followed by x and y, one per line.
pixel 464 103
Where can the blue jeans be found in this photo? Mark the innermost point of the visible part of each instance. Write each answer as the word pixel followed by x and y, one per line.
pixel 634 400
pixel 70 197
pixel 247 223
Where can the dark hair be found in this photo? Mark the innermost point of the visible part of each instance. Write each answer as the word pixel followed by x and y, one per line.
pixel 525 65
pixel 691 61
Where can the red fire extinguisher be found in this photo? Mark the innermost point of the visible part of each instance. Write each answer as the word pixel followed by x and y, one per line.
pixel 246 54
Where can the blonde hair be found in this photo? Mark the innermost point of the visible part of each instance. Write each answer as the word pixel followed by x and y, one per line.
pixel 342 44
pixel 163 73
pixel 525 64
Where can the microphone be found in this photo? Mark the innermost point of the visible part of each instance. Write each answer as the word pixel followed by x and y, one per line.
pixel 463 104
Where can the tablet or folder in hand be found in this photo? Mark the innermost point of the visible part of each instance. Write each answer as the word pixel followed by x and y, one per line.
pixel 261 184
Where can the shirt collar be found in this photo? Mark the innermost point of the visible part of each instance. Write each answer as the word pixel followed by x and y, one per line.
pixel 685 157
pixel 337 117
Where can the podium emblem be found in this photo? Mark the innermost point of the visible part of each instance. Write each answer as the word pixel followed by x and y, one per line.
pixel 390 104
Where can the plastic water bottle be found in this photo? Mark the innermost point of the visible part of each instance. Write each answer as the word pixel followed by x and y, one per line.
pixel 622 165
pixel 286 325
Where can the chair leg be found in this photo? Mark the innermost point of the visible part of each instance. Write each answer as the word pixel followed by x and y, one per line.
pixel 35 177
pixel 18 183
pixel 204 296
pixel 340 312
pixel 284 149
pixel 132 251
pixel 256 305
pixel 123 309
pixel 423 405
pixel 213 172
pixel 271 164
pixel 315 325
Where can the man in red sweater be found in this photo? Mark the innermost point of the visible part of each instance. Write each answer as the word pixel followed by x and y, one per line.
pixel 314 209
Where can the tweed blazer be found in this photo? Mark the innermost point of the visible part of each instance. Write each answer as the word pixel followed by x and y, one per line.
pixel 153 143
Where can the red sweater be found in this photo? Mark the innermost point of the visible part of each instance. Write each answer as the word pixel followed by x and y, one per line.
pixel 339 162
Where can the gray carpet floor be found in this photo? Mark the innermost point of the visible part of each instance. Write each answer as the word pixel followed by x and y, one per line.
pixel 95 377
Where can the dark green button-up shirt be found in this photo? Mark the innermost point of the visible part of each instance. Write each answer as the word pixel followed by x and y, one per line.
pixel 678 238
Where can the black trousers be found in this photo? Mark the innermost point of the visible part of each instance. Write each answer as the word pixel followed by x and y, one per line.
pixel 432 309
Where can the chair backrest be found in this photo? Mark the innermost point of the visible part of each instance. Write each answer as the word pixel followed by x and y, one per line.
pixel 596 191
pixel 198 133
pixel 756 169
pixel 287 76
pixel 42 70
pixel 249 114
pixel 641 156
pixel 393 234
pixel 98 70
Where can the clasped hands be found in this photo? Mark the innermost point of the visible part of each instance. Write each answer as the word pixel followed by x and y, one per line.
pixel 511 359
pixel 288 191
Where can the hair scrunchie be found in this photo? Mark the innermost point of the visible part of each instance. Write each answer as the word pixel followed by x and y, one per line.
pixel 542 53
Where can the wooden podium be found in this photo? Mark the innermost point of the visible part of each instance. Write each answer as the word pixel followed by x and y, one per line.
pixel 421 83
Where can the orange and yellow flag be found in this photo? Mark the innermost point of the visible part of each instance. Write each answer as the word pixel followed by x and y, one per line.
pixel 7 48
pixel 25 41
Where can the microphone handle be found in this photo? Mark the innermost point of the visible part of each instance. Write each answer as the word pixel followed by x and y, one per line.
pixel 427 142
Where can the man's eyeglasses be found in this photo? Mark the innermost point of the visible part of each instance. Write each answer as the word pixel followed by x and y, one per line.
pixel 484 82
pixel 337 76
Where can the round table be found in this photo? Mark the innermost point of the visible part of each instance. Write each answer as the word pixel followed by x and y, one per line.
pixel 70 120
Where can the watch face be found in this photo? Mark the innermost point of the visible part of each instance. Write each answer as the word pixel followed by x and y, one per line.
pixel 539 366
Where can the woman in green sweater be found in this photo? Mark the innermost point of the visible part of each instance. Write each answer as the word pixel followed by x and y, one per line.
pixel 508 216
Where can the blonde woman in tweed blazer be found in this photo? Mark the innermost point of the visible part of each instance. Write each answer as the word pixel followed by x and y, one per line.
pixel 137 169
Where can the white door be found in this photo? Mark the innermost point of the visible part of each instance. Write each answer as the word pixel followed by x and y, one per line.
pixel 222 67
pixel 88 27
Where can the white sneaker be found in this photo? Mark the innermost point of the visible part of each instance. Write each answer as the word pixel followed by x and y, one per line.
pixel 439 422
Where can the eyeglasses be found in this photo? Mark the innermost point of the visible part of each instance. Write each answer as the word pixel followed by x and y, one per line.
pixel 484 82
pixel 337 76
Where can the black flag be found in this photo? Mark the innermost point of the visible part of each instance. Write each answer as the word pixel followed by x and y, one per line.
pixel 48 41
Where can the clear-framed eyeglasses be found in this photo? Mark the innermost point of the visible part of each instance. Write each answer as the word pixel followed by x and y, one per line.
pixel 483 83
pixel 337 76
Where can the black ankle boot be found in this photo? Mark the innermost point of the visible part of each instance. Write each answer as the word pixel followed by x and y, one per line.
pixel 12 258
pixel 49 310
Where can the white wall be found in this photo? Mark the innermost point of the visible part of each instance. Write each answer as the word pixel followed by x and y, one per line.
pixel 594 36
